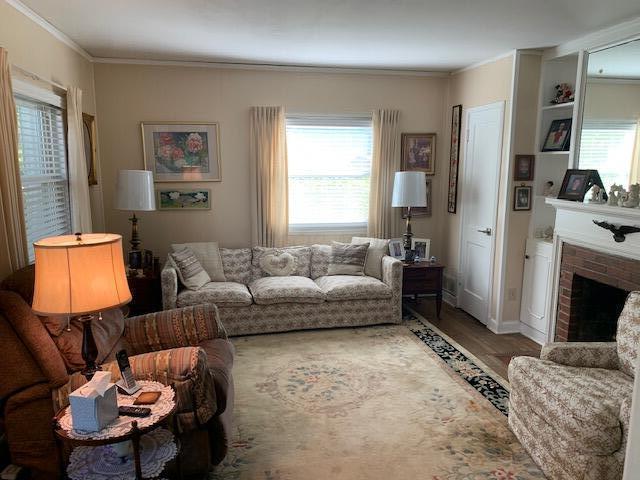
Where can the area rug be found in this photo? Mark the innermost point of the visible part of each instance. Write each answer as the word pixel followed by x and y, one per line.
pixel 362 403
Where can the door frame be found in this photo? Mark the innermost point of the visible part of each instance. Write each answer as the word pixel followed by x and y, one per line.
pixel 463 210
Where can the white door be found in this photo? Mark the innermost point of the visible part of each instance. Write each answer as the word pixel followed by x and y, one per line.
pixel 536 287
pixel 483 154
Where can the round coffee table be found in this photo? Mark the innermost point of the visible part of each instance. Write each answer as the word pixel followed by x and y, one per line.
pixel 95 454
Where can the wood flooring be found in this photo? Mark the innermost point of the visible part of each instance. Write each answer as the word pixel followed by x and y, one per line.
pixel 494 350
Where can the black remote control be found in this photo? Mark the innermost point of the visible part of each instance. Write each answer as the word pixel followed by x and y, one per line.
pixel 134 411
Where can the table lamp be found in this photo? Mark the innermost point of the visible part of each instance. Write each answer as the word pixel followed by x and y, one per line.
pixel 409 190
pixel 134 192
pixel 80 275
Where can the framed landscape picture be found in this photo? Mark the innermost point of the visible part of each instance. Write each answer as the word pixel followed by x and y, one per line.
pixel 419 152
pixel 182 152
pixel 183 199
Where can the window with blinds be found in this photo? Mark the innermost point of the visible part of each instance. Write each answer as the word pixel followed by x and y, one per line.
pixel 608 146
pixel 42 154
pixel 329 163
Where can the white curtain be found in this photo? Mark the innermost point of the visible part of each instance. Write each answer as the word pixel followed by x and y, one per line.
pixel 383 220
pixel 78 180
pixel 14 236
pixel 269 178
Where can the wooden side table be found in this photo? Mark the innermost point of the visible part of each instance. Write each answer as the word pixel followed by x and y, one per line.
pixel 147 294
pixel 423 278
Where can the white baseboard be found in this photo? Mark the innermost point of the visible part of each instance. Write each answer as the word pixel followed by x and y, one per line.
pixel 450 298
pixel 533 334
pixel 512 326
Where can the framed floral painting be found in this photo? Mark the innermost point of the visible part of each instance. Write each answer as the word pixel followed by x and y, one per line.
pixel 182 152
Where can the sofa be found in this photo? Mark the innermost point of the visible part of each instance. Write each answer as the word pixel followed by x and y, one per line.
pixel 187 348
pixel 252 301
pixel 570 408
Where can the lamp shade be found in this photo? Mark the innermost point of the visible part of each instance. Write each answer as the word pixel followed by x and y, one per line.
pixel 409 189
pixel 134 191
pixel 77 275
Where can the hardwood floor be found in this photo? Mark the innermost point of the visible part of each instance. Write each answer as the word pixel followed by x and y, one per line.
pixel 494 350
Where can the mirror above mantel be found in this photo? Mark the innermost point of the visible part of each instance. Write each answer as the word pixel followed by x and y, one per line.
pixel 610 134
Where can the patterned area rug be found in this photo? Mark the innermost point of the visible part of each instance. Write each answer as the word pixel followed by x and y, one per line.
pixel 365 403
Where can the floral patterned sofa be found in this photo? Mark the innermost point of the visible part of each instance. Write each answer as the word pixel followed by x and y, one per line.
pixel 251 301
pixel 570 409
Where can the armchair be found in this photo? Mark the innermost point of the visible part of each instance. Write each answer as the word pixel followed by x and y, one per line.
pixel 570 409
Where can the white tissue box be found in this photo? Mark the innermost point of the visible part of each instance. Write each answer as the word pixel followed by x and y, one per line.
pixel 91 411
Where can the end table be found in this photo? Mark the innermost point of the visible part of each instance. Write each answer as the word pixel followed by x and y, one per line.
pixel 423 278
pixel 146 292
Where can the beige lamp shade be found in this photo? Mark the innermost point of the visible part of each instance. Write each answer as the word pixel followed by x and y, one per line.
pixel 77 275
pixel 134 191
pixel 409 189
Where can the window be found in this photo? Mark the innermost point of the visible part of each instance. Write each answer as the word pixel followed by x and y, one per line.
pixel 608 146
pixel 43 170
pixel 329 172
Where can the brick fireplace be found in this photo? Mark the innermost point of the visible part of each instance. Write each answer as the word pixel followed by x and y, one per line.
pixel 593 287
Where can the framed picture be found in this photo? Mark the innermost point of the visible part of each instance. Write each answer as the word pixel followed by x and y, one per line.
pixel 559 136
pixel 90 148
pixel 523 169
pixel 183 199
pixel 454 158
pixel 522 198
pixel 421 211
pixel 182 152
pixel 396 249
pixel 421 247
pixel 576 183
pixel 419 152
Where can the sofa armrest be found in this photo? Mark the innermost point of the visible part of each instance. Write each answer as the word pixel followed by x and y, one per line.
pixel 392 276
pixel 180 327
pixel 582 354
pixel 169 281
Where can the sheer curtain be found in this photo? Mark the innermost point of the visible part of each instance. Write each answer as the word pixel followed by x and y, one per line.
pixel 383 221
pixel 78 180
pixel 14 248
pixel 268 168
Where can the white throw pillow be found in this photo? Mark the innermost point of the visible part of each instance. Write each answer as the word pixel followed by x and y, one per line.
pixel 189 269
pixel 208 254
pixel 378 248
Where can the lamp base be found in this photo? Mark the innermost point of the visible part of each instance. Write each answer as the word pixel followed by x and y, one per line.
pixel 408 252
pixel 89 348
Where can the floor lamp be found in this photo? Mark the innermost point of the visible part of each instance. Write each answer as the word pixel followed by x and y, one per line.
pixel 409 190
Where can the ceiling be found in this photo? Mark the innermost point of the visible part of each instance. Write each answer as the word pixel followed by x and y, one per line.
pixel 395 34
pixel 621 61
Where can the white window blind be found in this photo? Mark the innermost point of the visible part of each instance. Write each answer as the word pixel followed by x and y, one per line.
pixel 607 146
pixel 42 154
pixel 329 164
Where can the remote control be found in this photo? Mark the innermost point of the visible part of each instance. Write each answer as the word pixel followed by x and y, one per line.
pixel 134 411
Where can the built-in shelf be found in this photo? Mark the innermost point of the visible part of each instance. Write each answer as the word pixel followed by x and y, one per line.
pixel 557 106
pixel 564 152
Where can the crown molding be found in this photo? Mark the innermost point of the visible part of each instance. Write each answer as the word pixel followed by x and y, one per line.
pixel 33 16
pixel 510 53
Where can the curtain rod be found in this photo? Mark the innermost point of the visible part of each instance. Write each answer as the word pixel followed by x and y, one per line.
pixel 38 78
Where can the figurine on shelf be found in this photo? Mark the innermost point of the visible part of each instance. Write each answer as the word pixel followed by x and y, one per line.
pixel 548 233
pixel 632 199
pixel 564 93
pixel 614 194
pixel 596 195
pixel 548 189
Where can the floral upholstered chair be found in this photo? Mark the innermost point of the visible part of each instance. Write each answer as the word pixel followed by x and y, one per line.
pixel 570 409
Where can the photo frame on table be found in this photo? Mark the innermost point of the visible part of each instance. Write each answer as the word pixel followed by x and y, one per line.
pixel 421 247
pixel 524 168
pixel 577 182
pixel 183 199
pixel 418 152
pixel 396 248
pixel 522 198
pixel 558 138
pixel 182 151
pixel 421 211
pixel 454 158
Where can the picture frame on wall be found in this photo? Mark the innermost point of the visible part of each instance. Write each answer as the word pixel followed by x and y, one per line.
pixel 90 147
pixel 524 168
pixel 421 211
pixel 418 152
pixel 454 158
pixel 183 199
pixel 522 198
pixel 182 151
pixel 396 248
pixel 421 247
pixel 558 138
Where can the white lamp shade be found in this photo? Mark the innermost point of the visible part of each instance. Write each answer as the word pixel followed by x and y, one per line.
pixel 409 189
pixel 134 191
pixel 79 277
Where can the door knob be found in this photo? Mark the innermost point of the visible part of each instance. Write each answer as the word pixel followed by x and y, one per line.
pixel 486 231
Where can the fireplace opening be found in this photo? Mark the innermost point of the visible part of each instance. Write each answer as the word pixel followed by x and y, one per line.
pixel 597 308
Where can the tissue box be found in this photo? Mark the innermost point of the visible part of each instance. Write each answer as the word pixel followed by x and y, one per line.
pixel 91 411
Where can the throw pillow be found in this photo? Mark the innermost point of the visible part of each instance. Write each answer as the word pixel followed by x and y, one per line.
pixel 279 264
pixel 347 259
pixel 189 269
pixel 320 260
pixel 208 254
pixel 301 268
pixel 378 248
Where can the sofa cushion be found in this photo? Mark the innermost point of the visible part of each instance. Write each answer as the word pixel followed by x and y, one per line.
pixel 236 263
pixel 223 294
pixel 269 262
pixel 208 254
pixel 271 290
pixel 584 403
pixel 347 259
pixel 189 269
pixel 378 248
pixel 320 259
pixel 628 335
pixel 351 287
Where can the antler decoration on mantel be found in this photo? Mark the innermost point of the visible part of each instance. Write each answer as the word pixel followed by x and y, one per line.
pixel 619 233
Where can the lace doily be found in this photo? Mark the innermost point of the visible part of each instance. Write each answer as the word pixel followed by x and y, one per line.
pixel 122 425
pixel 102 463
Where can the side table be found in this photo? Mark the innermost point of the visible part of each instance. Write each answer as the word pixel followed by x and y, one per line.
pixel 147 294
pixel 423 278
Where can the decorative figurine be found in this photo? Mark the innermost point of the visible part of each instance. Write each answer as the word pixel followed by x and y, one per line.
pixel 596 195
pixel 564 93
pixel 548 233
pixel 632 199
pixel 548 189
pixel 623 195
pixel 614 194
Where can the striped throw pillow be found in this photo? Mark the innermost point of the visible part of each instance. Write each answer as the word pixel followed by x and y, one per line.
pixel 347 259
pixel 189 269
